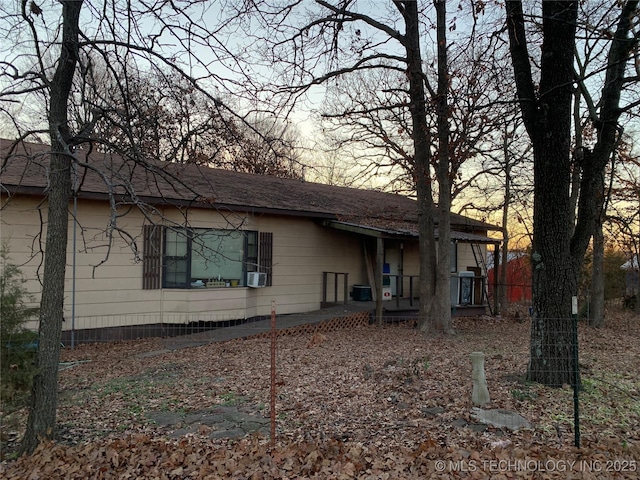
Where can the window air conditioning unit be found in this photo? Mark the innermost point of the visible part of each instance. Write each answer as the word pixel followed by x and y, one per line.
pixel 465 289
pixel 256 279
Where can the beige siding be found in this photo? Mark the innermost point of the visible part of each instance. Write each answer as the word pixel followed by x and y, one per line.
pixel 20 232
pixel 111 294
pixel 466 259
pixel 302 251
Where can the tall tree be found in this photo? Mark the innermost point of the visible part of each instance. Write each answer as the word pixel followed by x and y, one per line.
pixel 58 66
pixel 44 397
pixel 558 249
pixel 442 299
pixel 342 39
pixel 623 216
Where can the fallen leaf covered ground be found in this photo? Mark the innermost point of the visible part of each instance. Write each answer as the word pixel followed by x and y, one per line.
pixel 370 402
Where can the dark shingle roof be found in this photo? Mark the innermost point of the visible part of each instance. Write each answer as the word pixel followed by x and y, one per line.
pixel 171 183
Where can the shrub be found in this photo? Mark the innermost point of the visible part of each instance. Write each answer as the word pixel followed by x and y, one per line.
pixel 629 301
pixel 17 344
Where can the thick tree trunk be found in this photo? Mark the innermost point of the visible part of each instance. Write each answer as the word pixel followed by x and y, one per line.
pixel 503 280
pixel 44 397
pixel 554 279
pixel 441 307
pixel 547 117
pixel 422 162
pixel 596 306
pixel 558 248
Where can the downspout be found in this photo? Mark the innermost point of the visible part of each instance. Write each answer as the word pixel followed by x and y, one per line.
pixel 496 272
pixel 73 255
pixel 400 284
pixel 378 279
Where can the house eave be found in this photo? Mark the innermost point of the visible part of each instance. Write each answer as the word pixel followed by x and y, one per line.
pixel 377 232
pixel 13 190
pixel 367 230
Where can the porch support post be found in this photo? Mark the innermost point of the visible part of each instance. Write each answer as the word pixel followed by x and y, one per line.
pixel 378 279
pixel 496 283
pixel 346 288
pixel 324 288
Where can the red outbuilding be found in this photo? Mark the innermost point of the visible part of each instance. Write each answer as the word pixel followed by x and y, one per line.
pixel 518 280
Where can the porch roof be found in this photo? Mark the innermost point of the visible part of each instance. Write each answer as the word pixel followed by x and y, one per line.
pixel 400 230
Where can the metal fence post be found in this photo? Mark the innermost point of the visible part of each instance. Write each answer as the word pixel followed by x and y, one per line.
pixel 576 373
pixel 274 335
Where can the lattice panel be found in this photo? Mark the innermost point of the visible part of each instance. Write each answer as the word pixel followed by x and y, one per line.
pixel 360 319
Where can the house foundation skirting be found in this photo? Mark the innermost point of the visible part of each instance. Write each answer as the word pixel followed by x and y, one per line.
pixel 155 330
pixel 246 327
pixel 354 320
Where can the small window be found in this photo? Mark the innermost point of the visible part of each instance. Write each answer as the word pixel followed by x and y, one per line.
pixel 176 259
pixel 252 251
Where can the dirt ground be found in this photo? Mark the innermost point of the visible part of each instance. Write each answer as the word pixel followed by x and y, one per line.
pixel 363 403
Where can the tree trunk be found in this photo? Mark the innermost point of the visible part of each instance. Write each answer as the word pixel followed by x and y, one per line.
pixel 554 276
pixel 441 307
pixel 596 305
pixel 554 279
pixel 547 117
pixel 422 162
pixel 557 253
pixel 44 396
pixel 503 272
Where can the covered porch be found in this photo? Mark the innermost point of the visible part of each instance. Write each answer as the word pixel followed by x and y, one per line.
pixel 392 273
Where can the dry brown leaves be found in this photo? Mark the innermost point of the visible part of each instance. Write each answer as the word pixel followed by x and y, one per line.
pixel 365 403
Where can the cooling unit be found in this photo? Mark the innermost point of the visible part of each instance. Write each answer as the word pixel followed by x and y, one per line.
pixel 256 279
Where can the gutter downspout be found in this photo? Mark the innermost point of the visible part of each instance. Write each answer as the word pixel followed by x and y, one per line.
pixel 73 256
pixel 378 278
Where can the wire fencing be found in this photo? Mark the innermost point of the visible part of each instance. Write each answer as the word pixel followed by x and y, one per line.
pixel 597 391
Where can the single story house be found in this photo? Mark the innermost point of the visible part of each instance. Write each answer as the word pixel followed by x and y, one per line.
pixel 158 244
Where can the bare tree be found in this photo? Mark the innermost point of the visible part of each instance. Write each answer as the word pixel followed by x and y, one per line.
pixel 269 146
pixel 79 68
pixel 623 214
pixel 369 62
pixel 367 119
pixel 558 249
pixel 367 116
pixel 172 120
